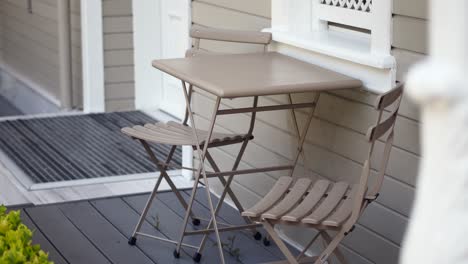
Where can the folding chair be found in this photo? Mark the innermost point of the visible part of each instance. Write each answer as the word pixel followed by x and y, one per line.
pixel 324 205
pixel 181 134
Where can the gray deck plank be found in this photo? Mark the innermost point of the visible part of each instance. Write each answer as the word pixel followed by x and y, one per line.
pixel 124 218
pixel 97 232
pixel 244 241
pixel 40 239
pixel 102 234
pixel 230 215
pixel 73 245
pixel 170 225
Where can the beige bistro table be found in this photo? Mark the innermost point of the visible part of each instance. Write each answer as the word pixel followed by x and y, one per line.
pixel 229 77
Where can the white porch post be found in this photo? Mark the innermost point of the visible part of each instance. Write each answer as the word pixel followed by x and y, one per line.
pixel 438 230
pixel 92 56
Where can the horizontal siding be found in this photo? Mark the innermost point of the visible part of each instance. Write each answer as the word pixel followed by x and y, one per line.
pixel 209 15
pixel 410 26
pixel 335 147
pixel 29 41
pixel 118 55
pixel 120 104
pixel 411 8
pixel 43 8
pixel 410 33
pixel 32 41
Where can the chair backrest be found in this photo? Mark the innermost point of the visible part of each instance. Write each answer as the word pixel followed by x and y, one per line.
pixel 198 33
pixel 384 129
pixel 381 130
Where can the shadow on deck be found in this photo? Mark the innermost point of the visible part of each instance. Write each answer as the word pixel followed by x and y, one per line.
pixel 8 109
pixel 96 232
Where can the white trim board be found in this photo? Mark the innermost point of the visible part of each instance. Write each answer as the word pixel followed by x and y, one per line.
pixel 13 193
pixel 146 47
pixel 29 185
pixel 42 115
pixel 24 93
pixel 92 56
pixel 109 179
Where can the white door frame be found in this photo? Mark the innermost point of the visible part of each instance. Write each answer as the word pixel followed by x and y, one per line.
pixel 147 41
pixel 92 56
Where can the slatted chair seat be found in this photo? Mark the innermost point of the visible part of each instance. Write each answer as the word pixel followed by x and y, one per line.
pixel 322 203
pixel 174 133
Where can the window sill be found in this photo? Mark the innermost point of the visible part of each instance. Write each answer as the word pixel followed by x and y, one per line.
pixel 343 52
pixel 341 45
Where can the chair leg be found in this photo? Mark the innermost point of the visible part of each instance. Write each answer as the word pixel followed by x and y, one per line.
pixel 227 186
pixel 304 250
pixel 182 201
pixel 163 172
pixel 201 172
pixel 205 237
pixel 332 246
pixel 266 240
pixel 210 159
pixel 213 164
pixel 279 242
pixel 223 194
pixel 302 136
pixel 132 239
pixel 187 215
pixel 337 252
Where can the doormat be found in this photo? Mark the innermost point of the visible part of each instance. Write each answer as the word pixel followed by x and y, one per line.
pixel 77 148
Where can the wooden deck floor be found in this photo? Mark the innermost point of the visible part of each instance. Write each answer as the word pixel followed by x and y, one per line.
pixel 97 231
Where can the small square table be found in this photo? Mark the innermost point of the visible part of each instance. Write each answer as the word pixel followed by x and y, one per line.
pixel 245 75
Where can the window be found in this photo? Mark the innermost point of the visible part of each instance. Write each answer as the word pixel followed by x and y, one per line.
pixel 354 34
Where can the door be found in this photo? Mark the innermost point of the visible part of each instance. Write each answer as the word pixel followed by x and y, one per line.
pixel 161 30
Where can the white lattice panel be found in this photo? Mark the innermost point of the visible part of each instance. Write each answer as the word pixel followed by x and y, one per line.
pixel 366 56
pixel 360 5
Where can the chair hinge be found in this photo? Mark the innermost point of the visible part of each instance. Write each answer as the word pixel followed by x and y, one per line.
pixel 371 199
pixel 350 230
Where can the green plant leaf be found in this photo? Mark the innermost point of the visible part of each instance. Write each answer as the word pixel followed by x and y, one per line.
pixel 16 241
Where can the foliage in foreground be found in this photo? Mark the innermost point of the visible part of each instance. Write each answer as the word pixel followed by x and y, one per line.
pixel 16 241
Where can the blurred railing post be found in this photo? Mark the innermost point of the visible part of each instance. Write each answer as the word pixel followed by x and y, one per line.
pixel 438 229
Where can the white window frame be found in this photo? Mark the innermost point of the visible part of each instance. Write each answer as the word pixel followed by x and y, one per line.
pixel 300 30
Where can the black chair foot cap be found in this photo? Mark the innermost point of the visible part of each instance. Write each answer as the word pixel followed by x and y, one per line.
pixel 132 241
pixel 197 257
pixel 266 242
pixel 258 236
pixel 196 222
pixel 176 254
